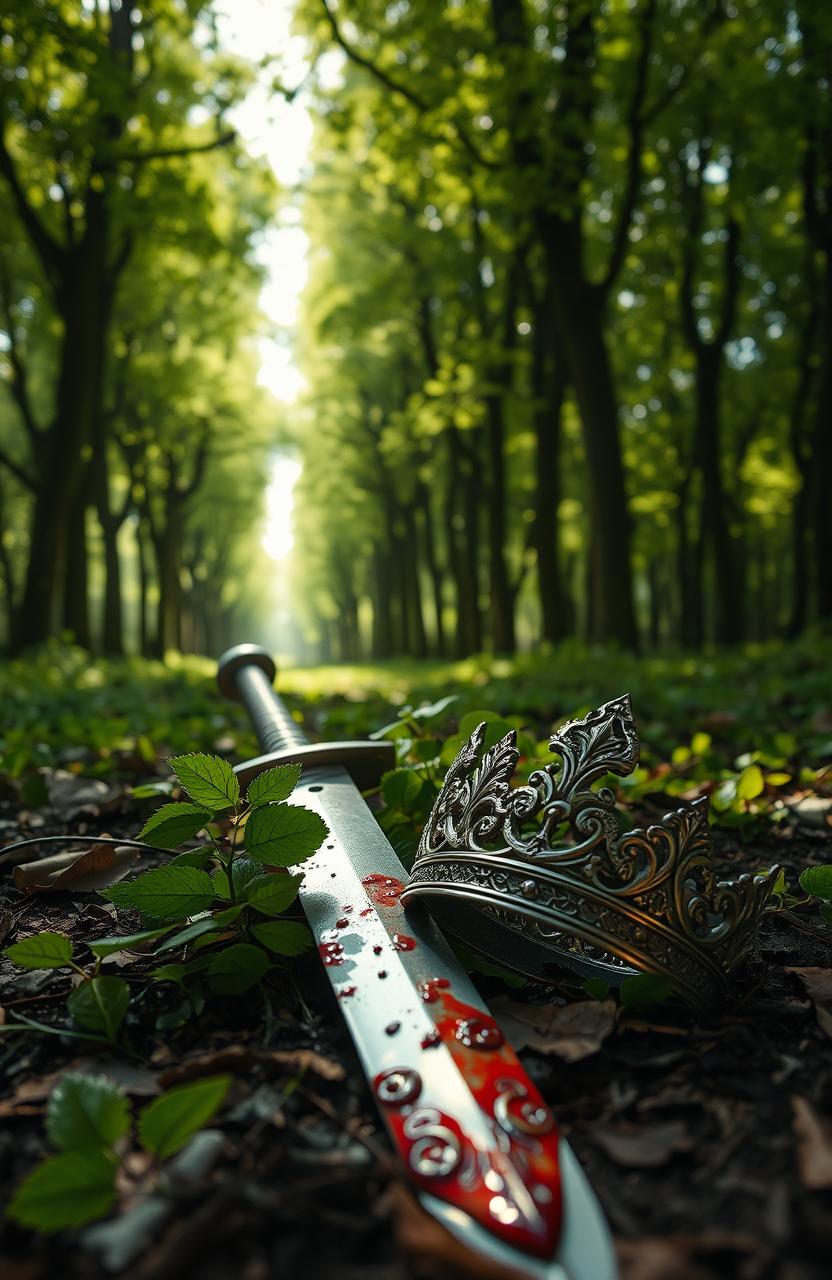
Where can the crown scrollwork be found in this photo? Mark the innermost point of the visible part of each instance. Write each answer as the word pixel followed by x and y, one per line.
pixel 548 857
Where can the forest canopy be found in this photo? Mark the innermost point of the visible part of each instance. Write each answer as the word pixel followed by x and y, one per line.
pixel 565 339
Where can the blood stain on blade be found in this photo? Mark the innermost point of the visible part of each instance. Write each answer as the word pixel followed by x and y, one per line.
pixel 331 953
pixel 429 991
pixel 478 1033
pixel 431 1041
pixel 404 942
pixel 345 992
pixel 384 891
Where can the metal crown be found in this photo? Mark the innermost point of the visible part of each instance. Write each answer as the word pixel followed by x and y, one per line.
pixel 546 861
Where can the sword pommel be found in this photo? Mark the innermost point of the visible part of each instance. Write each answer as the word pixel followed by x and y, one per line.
pixel 245 674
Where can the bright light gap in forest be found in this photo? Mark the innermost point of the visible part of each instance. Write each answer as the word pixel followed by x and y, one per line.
pixel 278 538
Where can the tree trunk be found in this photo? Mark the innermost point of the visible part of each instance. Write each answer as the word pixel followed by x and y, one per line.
pixel 500 596
pixel 688 573
pixel 578 308
pixel 382 636
pixel 76 609
pixel 822 455
pixel 715 519
pixel 548 391
pixel 143 585
pixel 417 639
pixel 461 525
pixel 434 569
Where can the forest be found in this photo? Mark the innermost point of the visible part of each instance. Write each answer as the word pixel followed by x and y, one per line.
pixel 474 358
pixel 565 338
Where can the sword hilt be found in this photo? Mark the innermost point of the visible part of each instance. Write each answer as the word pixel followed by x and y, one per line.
pixel 245 674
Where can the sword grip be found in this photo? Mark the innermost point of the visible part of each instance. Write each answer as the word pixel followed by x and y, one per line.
pixel 245 673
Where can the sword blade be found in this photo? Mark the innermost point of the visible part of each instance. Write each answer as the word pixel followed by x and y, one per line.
pixel 474 1135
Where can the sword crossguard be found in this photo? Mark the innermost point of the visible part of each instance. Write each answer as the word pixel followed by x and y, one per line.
pixel 245 674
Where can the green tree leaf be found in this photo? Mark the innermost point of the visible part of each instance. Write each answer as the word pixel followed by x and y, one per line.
pixel 281 835
pixel 284 937
pixel 208 780
pixel 272 893
pixel 86 1113
pixel 173 824
pixel 273 785
pixel 167 1124
pixel 166 893
pixel 41 951
pixel 814 880
pixel 66 1191
pixel 237 968
pixel 99 1004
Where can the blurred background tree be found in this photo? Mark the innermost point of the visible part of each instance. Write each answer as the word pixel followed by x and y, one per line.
pixel 565 340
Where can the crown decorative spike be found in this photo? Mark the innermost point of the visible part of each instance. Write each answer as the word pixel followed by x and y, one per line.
pixel 547 862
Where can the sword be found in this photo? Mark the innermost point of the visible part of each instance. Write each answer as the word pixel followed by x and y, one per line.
pixel 473 1134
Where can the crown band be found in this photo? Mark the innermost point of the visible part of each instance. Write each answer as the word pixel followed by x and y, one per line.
pixel 538 876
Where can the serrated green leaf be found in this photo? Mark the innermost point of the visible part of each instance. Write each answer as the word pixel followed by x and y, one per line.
pixel 237 968
pixel 86 1113
pixel 283 937
pixel 208 780
pixel 826 913
pixel 400 789
pixel 102 947
pixel 272 893
pixel 42 951
pixel 282 835
pixel 814 880
pixel 66 1191
pixel 273 785
pixel 644 989
pixel 99 1004
pixel 167 1124
pixel 173 824
pixel 166 893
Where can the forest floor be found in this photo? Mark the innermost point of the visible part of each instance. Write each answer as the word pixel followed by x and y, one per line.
pixel 709 1144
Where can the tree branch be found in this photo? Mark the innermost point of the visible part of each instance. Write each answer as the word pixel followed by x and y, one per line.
pixel 48 250
pixel 174 153
pixel 635 128
pixel 404 91
pixel 19 384
pixel 19 472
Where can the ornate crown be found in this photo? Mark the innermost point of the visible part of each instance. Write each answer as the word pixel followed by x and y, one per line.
pixel 547 862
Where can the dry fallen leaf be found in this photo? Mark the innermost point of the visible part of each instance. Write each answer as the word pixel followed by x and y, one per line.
pixel 814 1146
pixel 239 1057
pixel 818 984
pixel 70 794
pixel 643 1147
pixel 572 1031
pixel 812 812
pixel 91 869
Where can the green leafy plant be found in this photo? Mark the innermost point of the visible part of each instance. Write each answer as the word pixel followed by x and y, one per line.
pixel 98 1004
pixel 817 882
pixel 88 1121
pixel 215 903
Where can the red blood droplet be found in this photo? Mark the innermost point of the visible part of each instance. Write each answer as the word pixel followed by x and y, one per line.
pixel 346 991
pixel 403 942
pixel 377 950
pixel 431 1040
pixel 384 891
pixel 382 973
pixel 331 953
pixel 429 991
pixel 478 1033
pixel 347 909
pixel 342 923
pixel 392 1028
pixel 368 911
